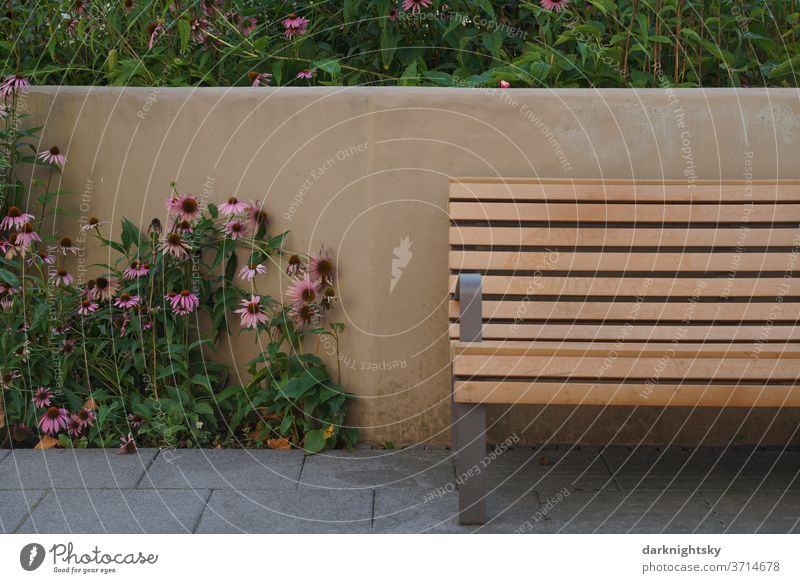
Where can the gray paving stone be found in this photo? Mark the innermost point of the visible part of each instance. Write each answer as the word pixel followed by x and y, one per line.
pixel 15 506
pixel 676 469
pixel 759 513
pixel 4 453
pixel 224 469
pixel 623 512
pixel 79 468
pixel 549 469
pixel 400 468
pixel 296 510
pixel 782 467
pixel 117 511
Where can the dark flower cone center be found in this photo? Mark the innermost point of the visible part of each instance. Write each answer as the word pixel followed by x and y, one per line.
pixel 101 283
pixel 252 308
pixel 14 212
pixel 233 200
pixel 309 295
pixel 66 242
pixel 55 151
pixel 94 221
pixel 185 293
pixel 189 205
pixel 27 228
pixel 62 273
pixel 124 296
pixel 86 303
pixel 53 413
pixel 325 267
pixel 236 227
pixel 174 239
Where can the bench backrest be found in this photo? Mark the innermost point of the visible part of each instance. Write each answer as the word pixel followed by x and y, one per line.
pixel 668 261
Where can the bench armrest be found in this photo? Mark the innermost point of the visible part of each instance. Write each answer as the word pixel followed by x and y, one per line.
pixel 469 295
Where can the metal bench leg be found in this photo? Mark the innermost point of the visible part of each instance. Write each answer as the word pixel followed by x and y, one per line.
pixel 469 443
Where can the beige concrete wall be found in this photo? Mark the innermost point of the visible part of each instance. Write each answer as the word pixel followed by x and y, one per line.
pixel 360 169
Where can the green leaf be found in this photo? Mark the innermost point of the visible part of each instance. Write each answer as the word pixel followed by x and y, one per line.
pixel 314 440
pixel 184 28
pixel 9 278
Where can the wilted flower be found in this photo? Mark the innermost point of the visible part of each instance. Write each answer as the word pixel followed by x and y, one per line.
pixel 305 314
pixel 294 266
pixel 256 216
pixel 236 230
pixel 328 298
pixel 246 24
pixel 259 79
pixel 306 74
pixel 127 444
pixel 154 228
pixel 42 396
pixel 303 290
pixel 74 426
pixel 232 206
pixel 415 5
pixel 153 32
pixel 68 347
pixel 554 5
pixel 53 420
pixel 249 272
pixel 8 377
pixel 321 266
pixel 173 244
pixel 41 258
pixel 87 307
pixel 52 156
pixel 297 25
pixel 15 219
pixel 63 278
pixel 128 5
pixel 135 420
pixel 93 223
pixel 126 301
pixel 66 246
pixel 252 312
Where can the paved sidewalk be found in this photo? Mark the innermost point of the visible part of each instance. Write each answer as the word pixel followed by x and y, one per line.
pixel 536 490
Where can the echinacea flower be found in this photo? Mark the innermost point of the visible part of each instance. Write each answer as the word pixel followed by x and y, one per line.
pixel 236 229
pixel 415 5
pixel 86 417
pixel 294 266
pixel 306 74
pixel 181 226
pixel 104 289
pixel 554 5
pixel 187 207
pixel 8 377
pixel 41 258
pixel 394 14
pixel 127 444
pixel 15 218
pixel 74 427
pixel 153 32
pixel 173 244
pixel 136 270
pixel 14 83
pixel 63 278
pixel 87 307
pixel 321 266
pixel 250 271
pixel 26 236
pixel 126 301
pixel 52 156
pixel 81 6
pixel 256 216
pixel 303 290
pixel 504 84
pixel 252 312
pixel 232 206
pixel 305 314
pixel 297 25
pixel 93 223
pixel 66 246
pixel 184 303
pixel 53 420
pixel 128 5
pixel 246 25
pixel 135 420
pixel 259 79
pixel 42 396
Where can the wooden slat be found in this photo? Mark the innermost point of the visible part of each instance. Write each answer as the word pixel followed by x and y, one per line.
pixel 646 213
pixel 624 237
pixel 660 394
pixel 641 367
pixel 641 332
pixel 730 312
pixel 622 261
pixel 636 286
pixel 639 190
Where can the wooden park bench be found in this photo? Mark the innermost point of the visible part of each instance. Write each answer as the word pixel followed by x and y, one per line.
pixel 635 293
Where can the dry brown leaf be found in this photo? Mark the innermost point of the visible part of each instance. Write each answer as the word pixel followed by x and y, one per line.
pixel 545 461
pixel 91 404
pixel 279 443
pixel 47 442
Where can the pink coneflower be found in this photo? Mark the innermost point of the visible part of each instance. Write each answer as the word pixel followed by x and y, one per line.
pixel 85 417
pixel 554 5
pixel 321 266
pixel 303 290
pixel 63 278
pixel 247 25
pixel 187 207
pixel 135 420
pixel 136 270
pixel 127 444
pixel 128 5
pixel 504 84
pixel 297 25
pixel 87 307
pixel 199 26
pixel 42 396
pixel 252 312
pixel 87 290
pixel 306 74
pixel 394 14
pixel 74 427
pixel 126 301
pixel 41 258
pixel 16 82
pixel 181 226
pixel 305 315
pixel 184 302
pixel 232 206
pixel 93 223
pixel 104 289
pixel 15 219
pixel 173 244
pixel 153 32
pixel 250 271
pixel 81 6
pixel 53 420
pixel 256 216
pixel 415 5
pixel 52 156
pixel 6 303
pixel 66 246
pixel 259 79
pixel 294 266
pixel 26 236
pixel 9 377
pixel 236 230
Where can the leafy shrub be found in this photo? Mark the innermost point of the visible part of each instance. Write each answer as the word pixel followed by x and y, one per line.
pixel 551 43
pixel 125 354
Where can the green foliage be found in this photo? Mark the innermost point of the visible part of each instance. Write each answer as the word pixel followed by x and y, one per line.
pixel 639 43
